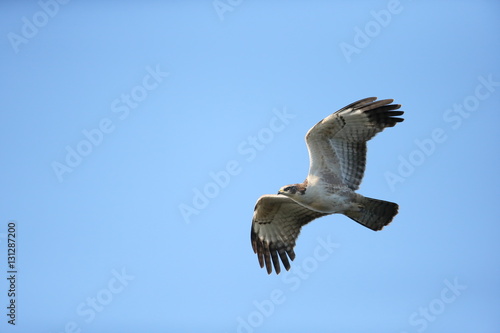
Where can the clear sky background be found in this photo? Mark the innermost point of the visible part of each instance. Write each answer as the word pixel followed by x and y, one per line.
pixel 136 138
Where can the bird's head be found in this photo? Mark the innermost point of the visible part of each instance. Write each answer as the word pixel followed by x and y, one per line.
pixel 289 190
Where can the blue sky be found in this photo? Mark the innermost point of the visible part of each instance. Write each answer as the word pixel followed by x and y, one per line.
pixel 137 137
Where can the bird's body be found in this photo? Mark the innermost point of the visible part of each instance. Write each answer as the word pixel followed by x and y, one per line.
pixel 337 154
pixel 326 198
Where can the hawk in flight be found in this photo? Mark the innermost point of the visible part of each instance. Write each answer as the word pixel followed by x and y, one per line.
pixel 337 154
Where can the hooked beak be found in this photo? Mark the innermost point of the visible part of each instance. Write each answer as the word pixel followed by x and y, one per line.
pixel 280 192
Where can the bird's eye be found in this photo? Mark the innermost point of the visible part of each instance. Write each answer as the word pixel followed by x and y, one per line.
pixel 286 189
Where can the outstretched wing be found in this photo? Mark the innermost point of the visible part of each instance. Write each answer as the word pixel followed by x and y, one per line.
pixel 337 144
pixel 276 225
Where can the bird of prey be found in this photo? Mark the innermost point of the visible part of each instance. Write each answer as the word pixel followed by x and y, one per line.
pixel 337 154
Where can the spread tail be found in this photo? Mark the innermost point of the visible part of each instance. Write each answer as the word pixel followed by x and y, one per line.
pixel 374 213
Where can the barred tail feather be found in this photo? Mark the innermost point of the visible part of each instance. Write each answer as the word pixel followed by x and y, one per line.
pixel 374 213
